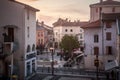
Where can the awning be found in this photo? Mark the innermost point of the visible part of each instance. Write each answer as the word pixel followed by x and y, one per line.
pixel 80 55
pixel 78 52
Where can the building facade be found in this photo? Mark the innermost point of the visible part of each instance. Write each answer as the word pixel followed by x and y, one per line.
pixel 100 34
pixel 17 37
pixel 44 35
pixel 64 27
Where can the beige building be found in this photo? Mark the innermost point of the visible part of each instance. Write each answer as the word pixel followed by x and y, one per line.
pixel 18 39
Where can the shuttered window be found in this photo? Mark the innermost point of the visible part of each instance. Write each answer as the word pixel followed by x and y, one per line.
pixel 96 38
pixel 109 50
pixel 108 36
pixel 96 50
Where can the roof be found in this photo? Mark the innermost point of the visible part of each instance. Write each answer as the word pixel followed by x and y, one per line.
pixel 107 2
pixel 92 24
pixel 41 25
pixel 105 17
pixel 26 6
pixel 62 22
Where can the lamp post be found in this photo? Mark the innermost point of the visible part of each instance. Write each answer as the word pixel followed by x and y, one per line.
pixel 52 63
pixel 96 63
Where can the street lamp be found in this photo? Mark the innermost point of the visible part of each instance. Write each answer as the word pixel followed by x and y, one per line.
pixel 52 63
pixel 96 63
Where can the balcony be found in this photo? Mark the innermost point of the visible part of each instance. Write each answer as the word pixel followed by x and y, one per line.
pixel 7 49
pixel 8 38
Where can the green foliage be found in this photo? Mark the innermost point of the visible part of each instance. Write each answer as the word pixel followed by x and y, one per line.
pixel 68 43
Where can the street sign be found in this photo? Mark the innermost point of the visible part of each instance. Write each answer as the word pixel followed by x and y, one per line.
pixel 111 65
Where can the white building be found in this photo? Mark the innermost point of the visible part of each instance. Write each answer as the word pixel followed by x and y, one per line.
pixel 18 25
pixel 63 27
pixel 101 33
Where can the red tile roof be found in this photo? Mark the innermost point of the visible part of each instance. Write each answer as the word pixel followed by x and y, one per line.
pixel 62 22
pixel 95 24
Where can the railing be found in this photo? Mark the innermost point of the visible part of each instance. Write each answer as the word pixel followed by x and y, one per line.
pixel 70 72
pixel 8 38
pixel 7 49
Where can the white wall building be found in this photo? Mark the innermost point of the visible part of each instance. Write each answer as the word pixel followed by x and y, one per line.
pixel 63 27
pixel 18 22
pixel 101 33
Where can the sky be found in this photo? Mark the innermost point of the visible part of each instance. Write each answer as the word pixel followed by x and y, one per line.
pixel 51 10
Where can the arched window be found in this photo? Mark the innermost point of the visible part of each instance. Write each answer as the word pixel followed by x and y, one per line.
pixel 33 47
pixel 28 48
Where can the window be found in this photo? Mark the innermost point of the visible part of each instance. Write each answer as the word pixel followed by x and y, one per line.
pixel 65 30
pixel 100 9
pixel 108 36
pixel 33 47
pixel 33 66
pixel 42 41
pixel 38 34
pixel 41 34
pixel 71 30
pixel 96 38
pixel 11 34
pixel 81 42
pixel 28 68
pixel 108 24
pixel 28 48
pixel 109 50
pixel 81 36
pixel 96 50
pixel 28 32
pixel 110 60
pixel 113 9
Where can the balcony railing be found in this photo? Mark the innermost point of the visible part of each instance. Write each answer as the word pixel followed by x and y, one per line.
pixel 7 49
pixel 8 38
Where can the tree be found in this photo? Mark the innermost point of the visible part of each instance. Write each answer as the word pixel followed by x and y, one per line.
pixel 68 44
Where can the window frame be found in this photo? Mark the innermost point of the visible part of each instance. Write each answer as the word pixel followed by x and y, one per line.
pixel 108 36
pixel 96 38
pixel 109 50
pixel 96 50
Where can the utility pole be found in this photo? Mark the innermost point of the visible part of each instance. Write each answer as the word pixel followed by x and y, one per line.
pixel 52 54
